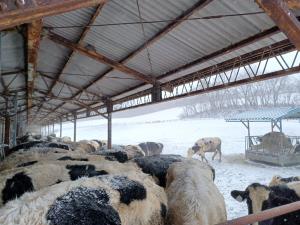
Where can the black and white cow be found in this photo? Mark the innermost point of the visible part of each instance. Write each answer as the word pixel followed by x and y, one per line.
pixel 124 154
pixel 260 197
pixel 277 180
pixel 151 148
pixel 14 183
pixel 39 144
pixel 21 159
pixel 105 200
pixel 157 166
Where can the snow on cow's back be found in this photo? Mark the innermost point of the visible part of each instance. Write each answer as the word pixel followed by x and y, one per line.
pixel 114 200
pixel 15 182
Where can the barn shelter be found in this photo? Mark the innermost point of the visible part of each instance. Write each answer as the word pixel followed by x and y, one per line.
pixel 274 147
pixel 72 59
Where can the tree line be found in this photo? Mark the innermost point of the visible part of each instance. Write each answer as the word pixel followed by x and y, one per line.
pixel 278 92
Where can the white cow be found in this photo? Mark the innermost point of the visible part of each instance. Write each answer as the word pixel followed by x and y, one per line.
pixel 193 198
pixel 204 145
pixel 86 146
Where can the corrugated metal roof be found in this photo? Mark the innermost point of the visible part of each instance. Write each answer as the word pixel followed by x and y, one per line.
pixel 12 51
pixel 75 18
pixel 51 57
pixel 197 38
pixel 186 43
pixel 42 83
pixel 116 42
pixel 82 69
pixel 249 48
pixel 114 83
pixel 266 114
pixel 14 81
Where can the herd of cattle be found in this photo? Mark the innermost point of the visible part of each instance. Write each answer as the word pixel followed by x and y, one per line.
pixel 53 181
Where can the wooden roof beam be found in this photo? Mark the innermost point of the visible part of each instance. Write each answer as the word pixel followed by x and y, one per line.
pixel 293 4
pixel 14 14
pixel 280 13
pixel 34 30
pixel 101 58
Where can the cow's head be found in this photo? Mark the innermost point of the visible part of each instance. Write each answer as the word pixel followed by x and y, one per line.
pixel 256 196
pixel 193 150
pixel 276 180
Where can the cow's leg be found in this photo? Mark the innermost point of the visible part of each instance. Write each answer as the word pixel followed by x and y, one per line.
pixel 220 153
pixel 202 154
pixel 214 155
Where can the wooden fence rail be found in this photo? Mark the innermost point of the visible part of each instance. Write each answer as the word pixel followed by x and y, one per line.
pixel 264 215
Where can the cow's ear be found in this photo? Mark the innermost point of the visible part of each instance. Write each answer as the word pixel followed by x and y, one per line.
pixel 240 196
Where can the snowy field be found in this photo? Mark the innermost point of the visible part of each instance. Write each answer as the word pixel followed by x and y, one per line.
pixel 234 172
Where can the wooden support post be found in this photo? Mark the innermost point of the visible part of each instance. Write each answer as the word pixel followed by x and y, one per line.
pixel 75 126
pixel 109 106
pixel 248 124
pixel 15 124
pixel 34 30
pixel 156 93
pixel 1 131
pixel 280 126
pixel 53 126
pixel 60 128
pixel 7 130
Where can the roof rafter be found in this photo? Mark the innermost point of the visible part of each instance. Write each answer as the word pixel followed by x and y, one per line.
pixel 101 58
pixel 218 53
pixel 27 11
pixel 178 21
pixel 280 13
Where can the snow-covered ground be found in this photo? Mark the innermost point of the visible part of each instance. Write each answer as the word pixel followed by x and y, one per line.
pixel 234 172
